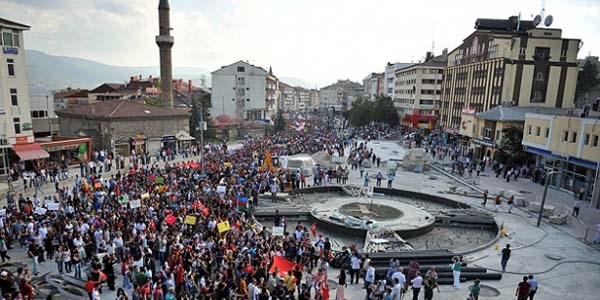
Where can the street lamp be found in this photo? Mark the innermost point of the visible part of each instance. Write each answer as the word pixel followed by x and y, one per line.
pixel 548 179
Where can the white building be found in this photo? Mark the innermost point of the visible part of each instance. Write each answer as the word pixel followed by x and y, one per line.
pixel 418 90
pixel 42 110
pixel 16 131
pixel 239 91
pixel 288 99
pixel 373 85
pixel 390 77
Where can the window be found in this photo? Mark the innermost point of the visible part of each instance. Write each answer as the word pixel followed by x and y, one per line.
pixel 573 137
pixel 241 69
pixel 528 129
pixel 11 66
pixel 565 136
pixel 17 122
pixel 586 139
pixel 35 114
pixel 13 97
pixel 563 52
pixel 547 132
pixel 542 53
pixel 538 131
pixel 242 80
pixel 595 141
pixel 8 39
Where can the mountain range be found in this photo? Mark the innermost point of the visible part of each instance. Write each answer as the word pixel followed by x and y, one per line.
pixel 59 72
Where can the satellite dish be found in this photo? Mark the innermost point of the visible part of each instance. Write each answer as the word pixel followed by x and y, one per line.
pixel 537 20
pixel 548 20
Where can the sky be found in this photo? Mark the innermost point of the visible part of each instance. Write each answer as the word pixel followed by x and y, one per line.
pixel 318 41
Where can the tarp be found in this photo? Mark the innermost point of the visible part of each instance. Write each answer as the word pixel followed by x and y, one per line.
pixel 282 264
pixel 30 151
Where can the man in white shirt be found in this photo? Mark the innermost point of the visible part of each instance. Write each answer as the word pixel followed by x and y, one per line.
pixel 398 275
pixel 369 277
pixel 417 284
pixel 397 290
pixel 355 269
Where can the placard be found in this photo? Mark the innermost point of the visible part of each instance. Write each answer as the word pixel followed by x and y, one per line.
pixel 145 196
pixel 40 211
pixel 135 203
pixel 190 220
pixel 98 185
pixel 52 206
pixel 221 189
pixel 277 230
pixel 2 212
pixel 223 226
pixel 123 198
pixel 160 180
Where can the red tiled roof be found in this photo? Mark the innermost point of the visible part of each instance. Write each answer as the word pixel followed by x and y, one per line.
pixel 114 109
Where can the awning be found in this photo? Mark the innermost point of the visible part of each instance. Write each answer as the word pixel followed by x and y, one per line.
pixel 30 151
pixel 184 136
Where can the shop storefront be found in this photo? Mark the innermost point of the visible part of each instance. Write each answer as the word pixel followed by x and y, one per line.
pixel 184 140
pixel 124 146
pixel 483 148
pixel 169 142
pixel 573 174
pixel 31 154
pixel 67 150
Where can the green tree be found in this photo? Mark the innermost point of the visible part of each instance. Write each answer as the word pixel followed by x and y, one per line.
pixel 588 79
pixel 509 149
pixel 201 104
pixel 384 111
pixel 280 122
pixel 364 111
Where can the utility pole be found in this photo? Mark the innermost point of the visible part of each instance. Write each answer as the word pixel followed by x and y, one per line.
pixel 48 116
pixel 201 136
pixel 548 179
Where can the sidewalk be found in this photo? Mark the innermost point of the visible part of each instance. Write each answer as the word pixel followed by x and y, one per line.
pixel 562 201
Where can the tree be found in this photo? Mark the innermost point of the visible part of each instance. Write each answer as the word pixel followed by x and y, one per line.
pixel 201 104
pixel 587 80
pixel 364 111
pixel 384 111
pixel 279 122
pixel 509 149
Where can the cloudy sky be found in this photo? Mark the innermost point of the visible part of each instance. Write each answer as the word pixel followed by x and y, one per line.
pixel 318 41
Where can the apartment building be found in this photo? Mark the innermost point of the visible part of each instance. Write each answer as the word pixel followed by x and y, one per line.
pixel 43 118
pixel 16 131
pixel 509 61
pixel 340 95
pixel 373 85
pixel 418 90
pixel 239 90
pixel 389 77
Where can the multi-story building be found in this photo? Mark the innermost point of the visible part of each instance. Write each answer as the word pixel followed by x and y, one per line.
pixel 43 118
pixel 418 90
pixel 239 90
pixel 287 97
pixel 70 97
pixel 314 98
pixel 340 95
pixel 509 61
pixel 272 95
pixel 302 98
pixel 373 85
pixel 390 77
pixel 569 145
pixel 16 131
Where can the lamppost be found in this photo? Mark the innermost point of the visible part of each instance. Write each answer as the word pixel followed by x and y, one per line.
pixel 201 126
pixel 548 179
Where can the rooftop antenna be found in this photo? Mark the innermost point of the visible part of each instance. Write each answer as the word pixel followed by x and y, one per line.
pixel 433 38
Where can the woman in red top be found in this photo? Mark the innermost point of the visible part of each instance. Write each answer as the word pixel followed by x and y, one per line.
pixel 27 290
pixel 522 291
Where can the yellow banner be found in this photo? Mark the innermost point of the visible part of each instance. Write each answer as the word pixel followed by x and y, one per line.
pixel 145 196
pixel 190 220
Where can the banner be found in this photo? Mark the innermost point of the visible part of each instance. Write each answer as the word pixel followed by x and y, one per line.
pixel 39 211
pixel 221 189
pixel 283 265
pixel 242 203
pixel 277 230
pixel 160 180
pixel 52 206
pixel 190 220
pixel 135 203
pixel 145 196
pixel 223 226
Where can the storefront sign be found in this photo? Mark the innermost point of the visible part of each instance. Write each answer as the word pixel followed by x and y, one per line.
pixel 21 140
pixel 60 147
pixel 484 142
pixel 168 138
pixel 10 50
pixel 559 156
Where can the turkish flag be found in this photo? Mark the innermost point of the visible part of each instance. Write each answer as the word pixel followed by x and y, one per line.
pixel 282 264
pixel 170 219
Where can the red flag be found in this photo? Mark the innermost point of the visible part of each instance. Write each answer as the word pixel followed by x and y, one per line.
pixel 313 229
pixel 282 264
pixel 170 219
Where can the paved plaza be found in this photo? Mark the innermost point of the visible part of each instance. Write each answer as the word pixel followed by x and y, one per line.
pixel 565 265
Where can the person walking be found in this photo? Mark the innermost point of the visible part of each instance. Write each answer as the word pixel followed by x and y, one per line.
pixel 523 288
pixel 367 179
pixel 354 269
pixel 576 208
pixel 369 277
pixel 417 284
pixel 456 271
pixel 340 293
pixel 390 180
pixel 429 285
pixel 485 198
pixel 505 256
pixel 474 290
pixel 396 290
pixel 533 286
pixel 497 201
pixel 379 176
pixel 511 202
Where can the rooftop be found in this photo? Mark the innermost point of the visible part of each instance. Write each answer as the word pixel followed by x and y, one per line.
pixel 120 109
pixel 13 24
pixel 504 113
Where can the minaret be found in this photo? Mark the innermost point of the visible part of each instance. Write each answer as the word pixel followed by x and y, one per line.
pixel 165 41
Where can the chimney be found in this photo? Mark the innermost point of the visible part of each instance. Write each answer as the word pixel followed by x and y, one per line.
pixel 189 86
pixel 428 55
